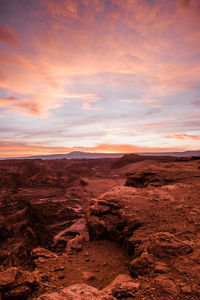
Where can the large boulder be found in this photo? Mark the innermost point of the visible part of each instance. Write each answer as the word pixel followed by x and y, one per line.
pixel 108 216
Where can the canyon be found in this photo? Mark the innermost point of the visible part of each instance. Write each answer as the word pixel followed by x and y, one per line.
pixel 106 228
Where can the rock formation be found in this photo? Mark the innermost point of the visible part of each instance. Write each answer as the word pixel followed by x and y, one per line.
pixel 64 239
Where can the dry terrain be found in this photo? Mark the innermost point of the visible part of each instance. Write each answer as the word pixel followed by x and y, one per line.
pixel 100 228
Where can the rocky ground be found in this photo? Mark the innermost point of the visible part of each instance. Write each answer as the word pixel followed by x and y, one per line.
pixel 100 229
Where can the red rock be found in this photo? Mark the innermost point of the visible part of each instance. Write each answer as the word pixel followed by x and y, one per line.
pixel 15 283
pixel 166 244
pixel 88 275
pixel 8 277
pixel 122 286
pixel 161 267
pixel 20 292
pixel 167 285
pixel 78 292
pixel 142 264
pixel 44 253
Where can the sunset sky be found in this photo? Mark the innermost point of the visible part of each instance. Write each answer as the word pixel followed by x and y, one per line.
pixel 99 75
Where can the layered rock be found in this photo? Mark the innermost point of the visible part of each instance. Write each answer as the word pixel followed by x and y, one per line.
pixel 107 216
pixel 147 177
pixel 158 176
pixel 16 284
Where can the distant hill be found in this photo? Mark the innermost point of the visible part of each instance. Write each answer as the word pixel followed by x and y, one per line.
pixel 133 158
pixel 177 154
pixel 72 155
pixel 162 157
pixel 90 155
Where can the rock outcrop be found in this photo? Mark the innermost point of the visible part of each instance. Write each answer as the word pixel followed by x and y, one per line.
pixel 159 176
pixel 142 179
pixel 158 228
pixel 107 217
pixel 165 244
pixel 78 292
pixel 123 286
pixel 16 284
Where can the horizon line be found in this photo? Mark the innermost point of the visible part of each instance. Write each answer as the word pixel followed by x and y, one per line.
pixel 95 152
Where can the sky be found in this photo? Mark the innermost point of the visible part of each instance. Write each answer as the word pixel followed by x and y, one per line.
pixel 99 76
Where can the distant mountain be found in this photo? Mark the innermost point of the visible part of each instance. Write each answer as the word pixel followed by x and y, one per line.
pixel 72 155
pixel 90 155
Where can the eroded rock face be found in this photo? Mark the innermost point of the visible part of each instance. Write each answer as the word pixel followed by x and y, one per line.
pixel 75 243
pixel 142 179
pixel 157 176
pixel 142 264
pixel 165 244
pixel 79 230
pixel 8 277
pixel 159 229
pixel 107 217
pixel 78 292
pixel 44 253
pixel 16 284
pixel 167 286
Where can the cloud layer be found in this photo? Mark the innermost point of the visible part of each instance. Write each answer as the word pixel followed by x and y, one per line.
pixel 132 65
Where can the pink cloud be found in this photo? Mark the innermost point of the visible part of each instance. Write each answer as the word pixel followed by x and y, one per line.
pixel 162 124
pixel 9 35
pixel 33 106
pixel 154 46
pixel 61 10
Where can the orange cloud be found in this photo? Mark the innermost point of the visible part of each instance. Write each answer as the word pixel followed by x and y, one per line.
pixel 125 148
pixel 7 101
pixel 39 104
pixel 16 149
pixel 29 106
pixel 184 137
